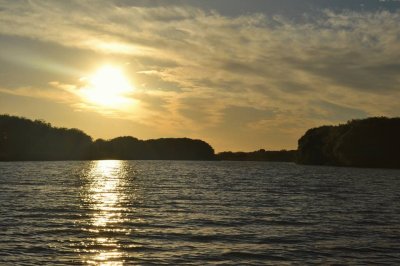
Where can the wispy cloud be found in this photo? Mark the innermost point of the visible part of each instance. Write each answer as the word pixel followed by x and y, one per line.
pixel 193 66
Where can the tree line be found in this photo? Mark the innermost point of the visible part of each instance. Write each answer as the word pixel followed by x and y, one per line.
pixel 371 142
pixel 260 155
pixel 23 139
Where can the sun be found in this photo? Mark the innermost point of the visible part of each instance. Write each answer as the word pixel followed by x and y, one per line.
pixel 108 87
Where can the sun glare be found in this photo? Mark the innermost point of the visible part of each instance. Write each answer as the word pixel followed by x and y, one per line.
pixel 108 87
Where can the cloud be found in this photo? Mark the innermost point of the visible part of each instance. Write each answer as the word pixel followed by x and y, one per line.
pixel 42 93
pixel 193 66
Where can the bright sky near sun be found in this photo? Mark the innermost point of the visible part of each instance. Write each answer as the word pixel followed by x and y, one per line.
pixel 107 88
pixel 241 75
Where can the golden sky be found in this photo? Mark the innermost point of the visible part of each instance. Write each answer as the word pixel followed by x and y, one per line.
pixel 241 75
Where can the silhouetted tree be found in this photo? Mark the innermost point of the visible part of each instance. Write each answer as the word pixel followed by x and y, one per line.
pixel 372 142
pixel 24 139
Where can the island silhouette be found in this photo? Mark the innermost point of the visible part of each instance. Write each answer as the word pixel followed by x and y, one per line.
pixel 371 142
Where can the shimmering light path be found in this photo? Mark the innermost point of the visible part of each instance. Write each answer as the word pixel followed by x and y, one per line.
pixel 104 197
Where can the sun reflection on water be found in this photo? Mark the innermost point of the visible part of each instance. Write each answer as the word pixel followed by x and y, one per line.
pixel 105 197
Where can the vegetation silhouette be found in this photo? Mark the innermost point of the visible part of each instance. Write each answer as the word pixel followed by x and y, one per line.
pixel 260 155
pixel 130 148
pixel 372 142
pixel 23 139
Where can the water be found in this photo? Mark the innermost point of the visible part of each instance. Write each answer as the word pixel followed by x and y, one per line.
pixel 197 213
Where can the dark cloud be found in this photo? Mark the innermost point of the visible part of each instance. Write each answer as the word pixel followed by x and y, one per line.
pixel 238 116
pixel 353 71
pixel 335 112
pixel 27 62
pixel 289 8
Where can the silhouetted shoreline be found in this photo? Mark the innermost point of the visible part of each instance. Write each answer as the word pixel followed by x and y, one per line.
pixel 260 155
pixel 26 140
pixel 371 142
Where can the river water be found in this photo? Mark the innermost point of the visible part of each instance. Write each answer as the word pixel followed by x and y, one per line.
pixel 197 213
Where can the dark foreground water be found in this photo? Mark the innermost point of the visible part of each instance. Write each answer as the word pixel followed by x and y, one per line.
pixel 198 213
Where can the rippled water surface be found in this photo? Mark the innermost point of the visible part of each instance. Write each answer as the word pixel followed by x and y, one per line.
pixel 198 213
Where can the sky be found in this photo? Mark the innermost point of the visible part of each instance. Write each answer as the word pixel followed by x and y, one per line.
pixel 241 75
